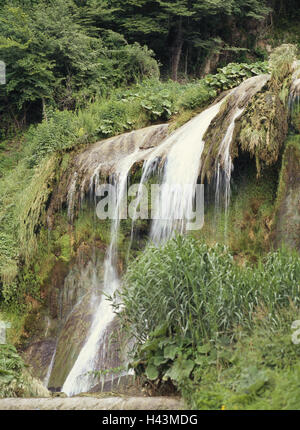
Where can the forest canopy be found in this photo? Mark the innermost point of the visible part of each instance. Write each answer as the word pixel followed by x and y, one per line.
pixel 66 53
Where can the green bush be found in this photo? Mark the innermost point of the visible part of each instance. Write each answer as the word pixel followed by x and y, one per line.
pixel 59 132
pixel 234 73
pixel 11 368
pixel 183 299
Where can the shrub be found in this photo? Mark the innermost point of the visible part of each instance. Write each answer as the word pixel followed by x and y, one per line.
pixel 233 74
pixel 180 300
pixel 58 133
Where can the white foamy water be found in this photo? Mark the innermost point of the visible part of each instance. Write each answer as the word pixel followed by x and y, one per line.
pixel 174 203
pixel 224 166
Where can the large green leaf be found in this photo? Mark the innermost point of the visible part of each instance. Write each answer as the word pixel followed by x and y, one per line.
pixel 204 349
pixel 152 372
pixel 171 351
pixel 159 359
pixel 180 370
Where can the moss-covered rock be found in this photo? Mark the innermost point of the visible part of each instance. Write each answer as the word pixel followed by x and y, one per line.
pixel 264 128
pixel 288 198
pixel 225 125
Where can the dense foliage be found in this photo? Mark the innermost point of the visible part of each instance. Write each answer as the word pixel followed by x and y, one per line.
pixel 65 53
pixel 53 60
pixel 187 306
pixel 204 320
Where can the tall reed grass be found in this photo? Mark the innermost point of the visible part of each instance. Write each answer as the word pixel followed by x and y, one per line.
pixel 202 293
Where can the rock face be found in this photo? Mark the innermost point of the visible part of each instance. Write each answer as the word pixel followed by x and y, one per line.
pixel 70 309
pixel 236 103
pixel 91 403
pixel 39 355
pixel 288 200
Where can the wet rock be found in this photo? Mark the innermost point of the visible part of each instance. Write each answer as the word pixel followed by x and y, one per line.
pixel 70 305
pixel 39 355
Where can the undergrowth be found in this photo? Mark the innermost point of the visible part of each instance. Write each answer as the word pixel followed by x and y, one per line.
pixel 190 307
pixel 15 379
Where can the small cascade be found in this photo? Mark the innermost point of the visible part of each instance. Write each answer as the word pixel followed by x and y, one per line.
pixel 103 158
pixel 224 166
pixel 48 374
pixel 79 379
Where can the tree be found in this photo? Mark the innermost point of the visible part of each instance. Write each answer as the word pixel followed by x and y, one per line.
pixel 54 55
pixel 29 75
pixel 170 26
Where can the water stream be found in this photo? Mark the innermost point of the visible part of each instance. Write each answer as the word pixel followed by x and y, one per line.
pixel 79 379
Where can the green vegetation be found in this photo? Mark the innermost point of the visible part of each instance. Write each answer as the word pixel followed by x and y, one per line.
pixel 211 314
pixel 25 189
pixel 15 380
pixel 234 74
pixel 259 372
pixel 53 60
pixel 202 309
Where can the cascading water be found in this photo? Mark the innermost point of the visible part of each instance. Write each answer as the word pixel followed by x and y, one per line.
pixel 175 200
pixel 223 162
pixel 48 374
pixel 224 168
pixel 186 145
pixel 79 379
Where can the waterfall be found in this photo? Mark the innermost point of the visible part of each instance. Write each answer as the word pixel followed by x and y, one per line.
pixel 177 159
pixel 224 167
pixel 183 148
pixel 174 202
pixel 79 379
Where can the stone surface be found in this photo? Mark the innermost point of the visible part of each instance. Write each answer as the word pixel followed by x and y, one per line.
pixel 92 403
pixel 69 317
